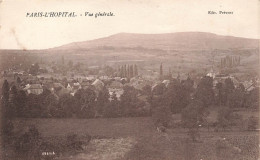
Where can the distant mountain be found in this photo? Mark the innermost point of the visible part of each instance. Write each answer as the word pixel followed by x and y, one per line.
pixel 167 41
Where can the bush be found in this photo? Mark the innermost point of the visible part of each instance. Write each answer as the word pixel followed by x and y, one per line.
pixel 252 123
pixel 161 116
pixel 227 118
pixel 74 143
pixel 193 133
pixel 7 128
pixel 27 145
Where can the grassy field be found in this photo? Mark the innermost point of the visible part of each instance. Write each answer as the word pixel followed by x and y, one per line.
pixel 137 139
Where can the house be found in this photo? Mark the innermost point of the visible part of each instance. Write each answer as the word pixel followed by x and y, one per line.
pixel 104 77
pixel 90 77
pixel 116 91
pixel 166 82
pixel 139 83
pixel 62 92
pixel 98 84
pixel 249 85
pixel 85 84
pixel 211 73
pixel 116 85
pixel 34 89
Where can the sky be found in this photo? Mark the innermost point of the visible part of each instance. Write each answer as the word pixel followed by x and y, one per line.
pixel 130 16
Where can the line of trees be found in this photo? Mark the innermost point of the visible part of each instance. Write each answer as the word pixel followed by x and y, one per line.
pixel 193 104
pixel 127 71
pixel 86 103
pixel 230 61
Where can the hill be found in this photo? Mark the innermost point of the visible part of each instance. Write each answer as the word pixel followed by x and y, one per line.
pixel 182 52
pixel 173 41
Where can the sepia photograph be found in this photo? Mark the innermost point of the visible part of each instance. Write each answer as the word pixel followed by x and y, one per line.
pixel 129 80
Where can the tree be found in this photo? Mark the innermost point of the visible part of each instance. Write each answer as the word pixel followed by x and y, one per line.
pixel 70 64
pixel 192 117
pixel 112 109
pixel 178 95
pixel 236 99
pixel 109 71
pixel 50 107
pixel 220 95
pixel 125 71
pixel 13 104
pixel 159 89
pixel 131 71
pixel 34 69
pixel 135 70
pixel 204 91
pixel 6 124
pixel 128 72
pixel 27 145
pixel 121 72
pixel 102 101
pixel 34 106
pixel 252 123
pixel 227 118
pixel 5 92
pixel 22 102
pixel 86 103
pixel 161 71
pixel 78 66
pixel 252 98
pixel 161 116
pixel 5 96
pixel 62 60
pixel 18 80
pixel 130 104
pixel 147 90
pixel 228 89
pixel 67 105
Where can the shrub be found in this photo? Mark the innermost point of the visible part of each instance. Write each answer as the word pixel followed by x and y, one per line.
pixel 27 145
pixel 161 116
pixel 252 123
pixel 227 118
pixel 74 143
pixel 193 133
pixel 7 128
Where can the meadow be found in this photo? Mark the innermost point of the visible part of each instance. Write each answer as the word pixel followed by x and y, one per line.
pixel 138 139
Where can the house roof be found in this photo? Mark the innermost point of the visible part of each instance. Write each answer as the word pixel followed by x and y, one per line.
pixel 56 85
pixel 116 84
pixel 35 86
pixel 97 82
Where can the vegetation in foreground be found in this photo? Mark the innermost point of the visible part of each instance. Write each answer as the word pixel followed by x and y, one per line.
pixel 132 138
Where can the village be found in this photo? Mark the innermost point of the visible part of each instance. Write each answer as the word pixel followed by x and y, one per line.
pixel 41 76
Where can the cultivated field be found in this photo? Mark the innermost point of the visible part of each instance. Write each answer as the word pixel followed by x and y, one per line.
pixel 137 139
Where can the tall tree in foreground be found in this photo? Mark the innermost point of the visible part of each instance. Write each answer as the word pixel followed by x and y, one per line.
pixel 6 124
pixel 13 104
pixel 5 93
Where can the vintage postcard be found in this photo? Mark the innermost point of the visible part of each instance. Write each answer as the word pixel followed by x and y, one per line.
pixel 129 79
